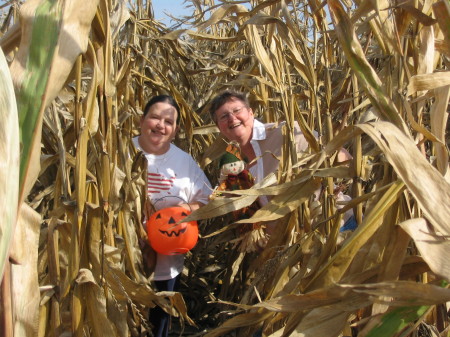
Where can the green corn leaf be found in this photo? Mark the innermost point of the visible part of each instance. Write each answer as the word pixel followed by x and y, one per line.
pixel 396 320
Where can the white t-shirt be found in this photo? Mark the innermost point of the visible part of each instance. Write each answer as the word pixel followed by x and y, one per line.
pixel 173 178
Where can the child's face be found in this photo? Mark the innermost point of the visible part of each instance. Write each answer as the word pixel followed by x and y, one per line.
pixel 158 127
pixel 233 168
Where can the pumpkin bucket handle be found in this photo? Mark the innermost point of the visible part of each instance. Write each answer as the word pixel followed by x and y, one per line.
pixel 172 196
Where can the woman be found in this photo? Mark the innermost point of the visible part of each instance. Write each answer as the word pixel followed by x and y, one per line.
pixel 233 116
pixel 173 179
pixel 236 122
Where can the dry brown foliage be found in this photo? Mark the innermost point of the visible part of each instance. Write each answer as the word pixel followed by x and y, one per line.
pixel 371 76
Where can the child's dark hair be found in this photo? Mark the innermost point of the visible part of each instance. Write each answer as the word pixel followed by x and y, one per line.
pixel 163 99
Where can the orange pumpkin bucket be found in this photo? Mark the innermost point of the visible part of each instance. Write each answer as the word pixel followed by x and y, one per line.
pixel 168 237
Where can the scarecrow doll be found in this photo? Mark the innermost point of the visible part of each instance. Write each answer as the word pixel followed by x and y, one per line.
pixel 234 175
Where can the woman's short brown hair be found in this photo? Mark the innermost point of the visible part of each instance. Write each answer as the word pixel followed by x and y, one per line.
pixel 224 97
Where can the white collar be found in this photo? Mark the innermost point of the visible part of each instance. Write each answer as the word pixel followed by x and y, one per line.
pixel 259 130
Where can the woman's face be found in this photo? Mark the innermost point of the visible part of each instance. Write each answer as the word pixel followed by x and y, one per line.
pixel 158 128
pixel 235 121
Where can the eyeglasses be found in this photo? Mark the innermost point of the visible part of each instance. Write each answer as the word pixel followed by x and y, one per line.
pixel 236 112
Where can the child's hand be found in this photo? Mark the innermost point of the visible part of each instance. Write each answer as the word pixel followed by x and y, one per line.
pixel 193 206
pixel 185 206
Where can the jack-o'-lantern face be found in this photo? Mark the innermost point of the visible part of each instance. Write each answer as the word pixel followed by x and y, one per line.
pixel 169 237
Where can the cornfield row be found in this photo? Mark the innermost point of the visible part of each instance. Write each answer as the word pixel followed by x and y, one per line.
pixel 370 76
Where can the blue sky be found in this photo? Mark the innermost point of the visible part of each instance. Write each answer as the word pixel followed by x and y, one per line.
pixel 175 7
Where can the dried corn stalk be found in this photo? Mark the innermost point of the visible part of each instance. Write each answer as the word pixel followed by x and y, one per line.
pixel 369 76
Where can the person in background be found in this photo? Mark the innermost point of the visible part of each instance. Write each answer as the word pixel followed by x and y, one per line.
pixel 173 179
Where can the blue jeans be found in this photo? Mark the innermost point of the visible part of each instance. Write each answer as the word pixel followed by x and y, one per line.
pixel 157 316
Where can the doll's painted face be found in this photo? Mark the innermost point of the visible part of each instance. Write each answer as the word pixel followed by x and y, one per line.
pixel 235 167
